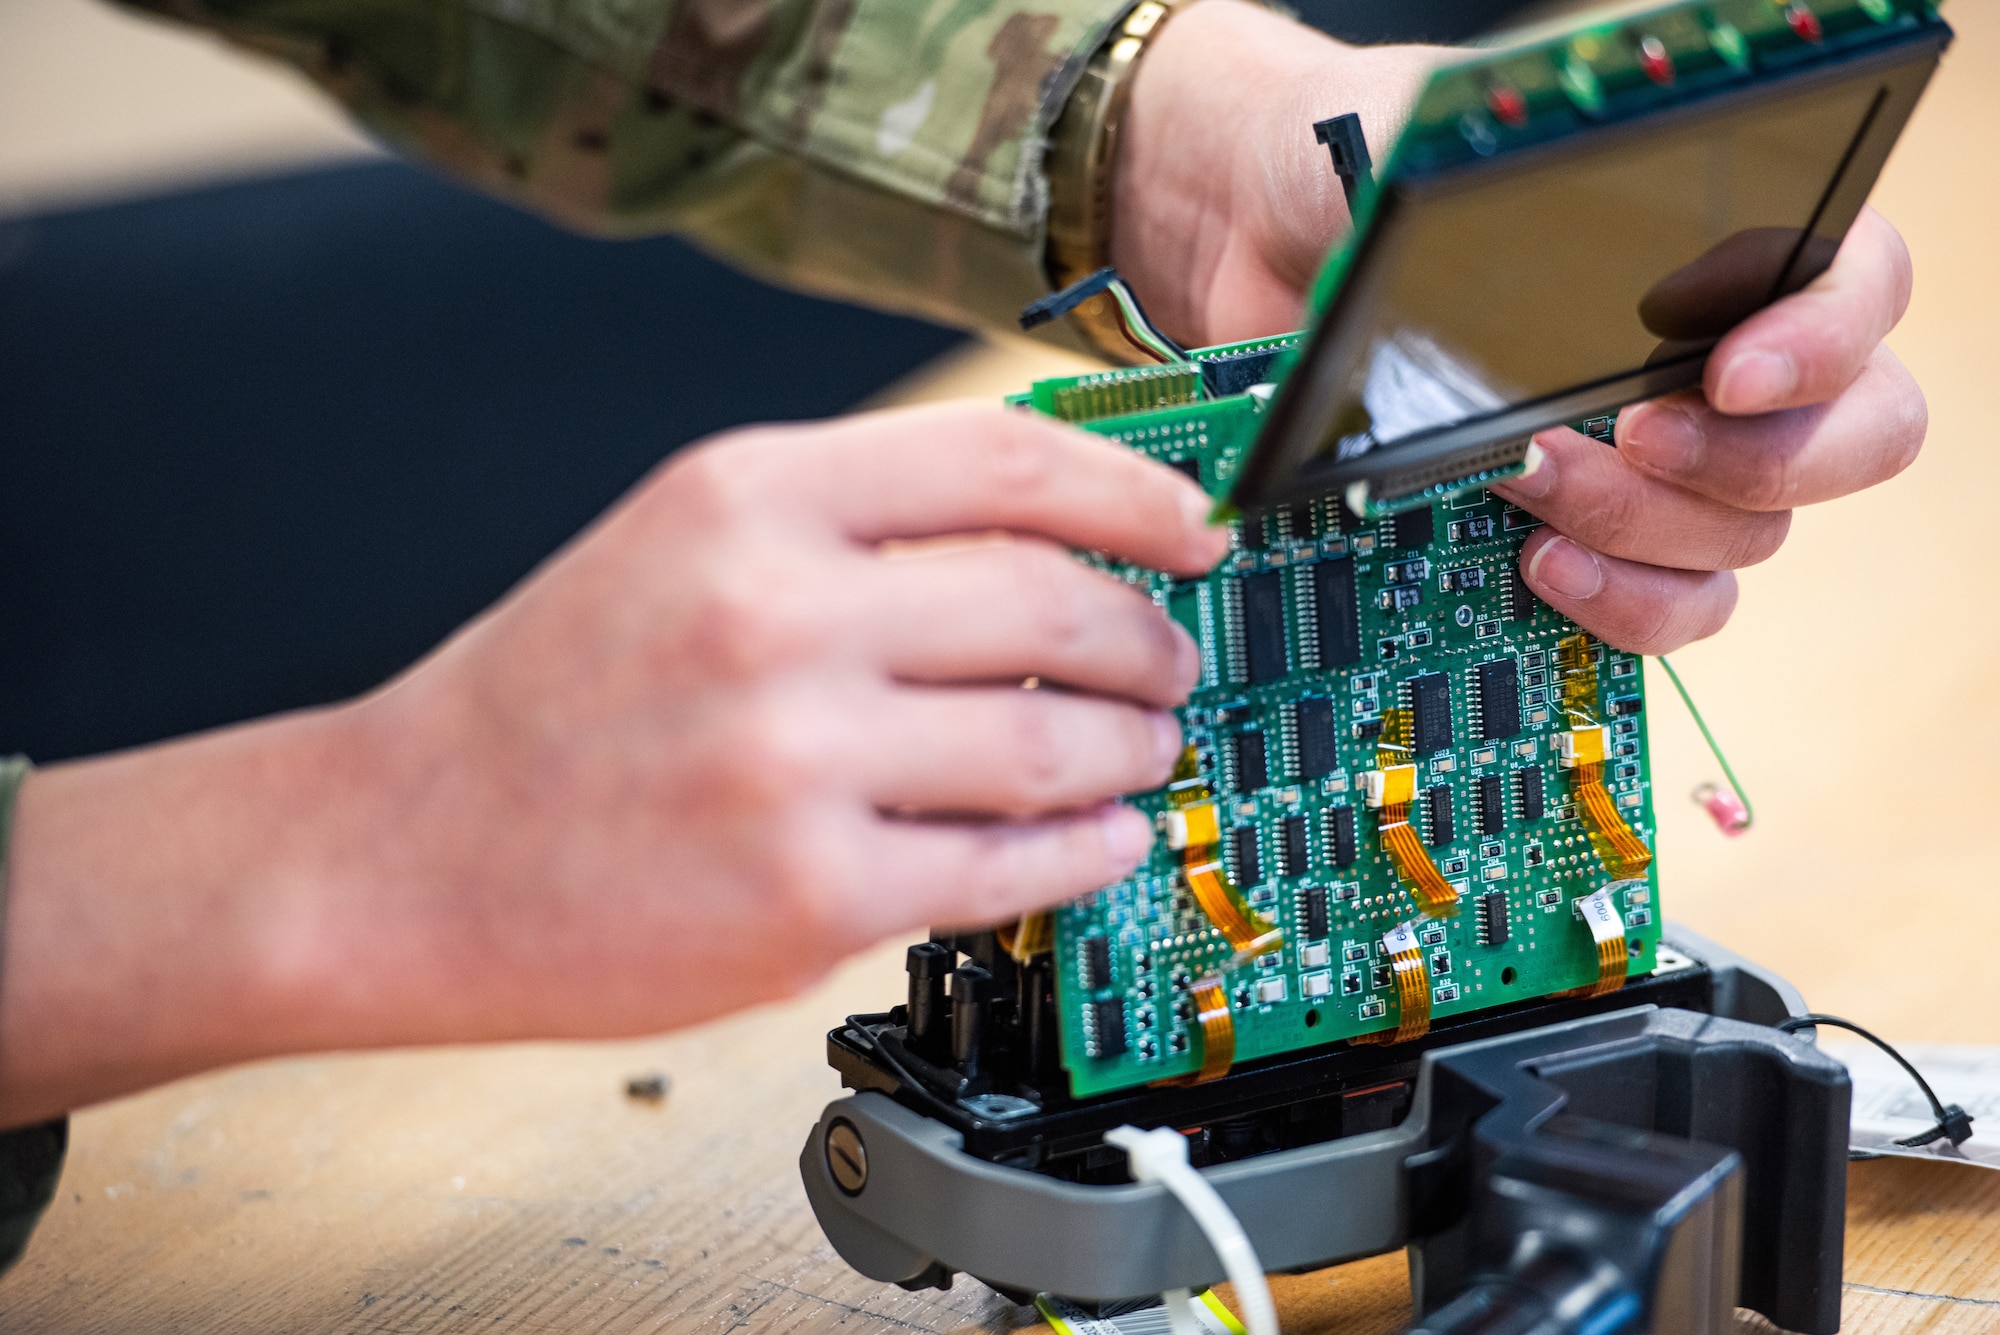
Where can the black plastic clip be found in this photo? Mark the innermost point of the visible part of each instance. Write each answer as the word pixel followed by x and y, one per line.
pixel 1349 147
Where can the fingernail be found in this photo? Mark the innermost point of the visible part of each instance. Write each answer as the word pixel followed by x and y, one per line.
pixel 1166 738
pixel 1187 660
pixel 1755 382
pixel 1538 474
pixel 1196 506
pixel 1665 438
pixel 1127 836
pixel 1562 567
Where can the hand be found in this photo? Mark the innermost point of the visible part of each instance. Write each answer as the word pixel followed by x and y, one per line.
pixel 1800 403
pixel 1224 204
pixel 1226 207
pixel 754 719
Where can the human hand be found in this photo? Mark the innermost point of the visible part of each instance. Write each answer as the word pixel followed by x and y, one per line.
pixel 1226 207
pixel 1800 403
pixel 1224 204
pixel 752 720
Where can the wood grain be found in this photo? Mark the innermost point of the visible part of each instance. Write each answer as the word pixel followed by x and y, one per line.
pixel 517 1189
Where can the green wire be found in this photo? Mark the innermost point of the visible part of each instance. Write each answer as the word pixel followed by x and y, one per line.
pixel 1749 812
pixel 1136 322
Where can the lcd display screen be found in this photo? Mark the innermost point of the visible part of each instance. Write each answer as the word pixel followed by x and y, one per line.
pixel 1488 299
pixel 1590 267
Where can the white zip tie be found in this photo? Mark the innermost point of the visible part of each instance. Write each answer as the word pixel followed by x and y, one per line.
pixel 1161 1156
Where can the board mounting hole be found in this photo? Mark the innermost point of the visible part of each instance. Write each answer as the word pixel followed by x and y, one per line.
pixel 1312 1019
pixel 1507 976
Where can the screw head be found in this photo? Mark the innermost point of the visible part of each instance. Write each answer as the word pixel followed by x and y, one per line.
pixel 846 1157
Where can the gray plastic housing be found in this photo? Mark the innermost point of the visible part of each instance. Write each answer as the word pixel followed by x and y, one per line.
pixel 927 1209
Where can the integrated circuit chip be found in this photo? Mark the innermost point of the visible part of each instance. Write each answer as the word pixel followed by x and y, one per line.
pixel 1533 805
pixel 1312 909
pixel 1340 835
pixel 1319 750
pixel 1499 699
pixel 1414 528
pixel 1437 802
pixel 1249 864
pixel 1336 609
pixel 1521 601
pixel 1096 962
pixel 1430 712
pixel 1292 849
pixel 1492 804
pixel 1252 766
pixel 1299 521
pixel 1108 1027
pixel 1491 909
pixel 1263 624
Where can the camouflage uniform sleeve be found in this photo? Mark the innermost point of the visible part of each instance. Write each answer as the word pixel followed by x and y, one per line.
pixel 887 151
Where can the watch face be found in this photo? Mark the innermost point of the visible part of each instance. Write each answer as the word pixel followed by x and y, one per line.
pixel 1495 293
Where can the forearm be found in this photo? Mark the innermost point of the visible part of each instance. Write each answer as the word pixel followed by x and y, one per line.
pixel 764 132
pixel 168 911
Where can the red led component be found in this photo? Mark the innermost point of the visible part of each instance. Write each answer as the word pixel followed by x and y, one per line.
pixel 1654 60
pixel 1804 22
pixel 1507 105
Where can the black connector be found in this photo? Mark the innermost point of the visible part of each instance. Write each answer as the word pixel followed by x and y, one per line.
pixel 1349 147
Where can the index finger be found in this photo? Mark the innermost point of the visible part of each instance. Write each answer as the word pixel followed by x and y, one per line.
pixel 953 468
pixel 1808 347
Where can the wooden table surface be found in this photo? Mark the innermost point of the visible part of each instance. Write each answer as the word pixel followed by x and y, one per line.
pixel 519 1190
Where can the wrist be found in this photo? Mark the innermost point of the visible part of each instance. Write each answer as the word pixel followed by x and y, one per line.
pixel 1225 204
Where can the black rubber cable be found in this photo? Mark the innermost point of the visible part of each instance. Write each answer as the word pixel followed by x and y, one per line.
pixel 1953 1122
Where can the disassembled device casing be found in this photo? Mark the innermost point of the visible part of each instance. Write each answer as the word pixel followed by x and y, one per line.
pixel 1396 966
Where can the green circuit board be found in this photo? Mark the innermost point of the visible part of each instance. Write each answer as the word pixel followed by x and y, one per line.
pixel 1316 622
pixel 1371 635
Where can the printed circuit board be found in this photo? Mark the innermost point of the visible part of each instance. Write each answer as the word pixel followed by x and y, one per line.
pixel 1320 630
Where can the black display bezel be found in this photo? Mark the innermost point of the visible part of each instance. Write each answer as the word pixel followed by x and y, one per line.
pixel 1282 467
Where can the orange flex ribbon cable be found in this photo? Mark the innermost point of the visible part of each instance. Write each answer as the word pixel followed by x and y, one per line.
pixel 1034 934
pixel 1218 1030
pixel 1194 829
pixel 1413 987
pixel 1391 788
pixel 1607 929
pixel 1218 1035
pixel 1584 750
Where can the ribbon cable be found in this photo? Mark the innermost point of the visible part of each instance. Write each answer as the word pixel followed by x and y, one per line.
pixel 1607 929
pixel 1413 987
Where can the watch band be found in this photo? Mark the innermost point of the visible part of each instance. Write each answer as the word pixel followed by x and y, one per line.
pixel 1083 149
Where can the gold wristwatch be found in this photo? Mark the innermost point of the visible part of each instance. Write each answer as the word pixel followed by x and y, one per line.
pixel 1083 150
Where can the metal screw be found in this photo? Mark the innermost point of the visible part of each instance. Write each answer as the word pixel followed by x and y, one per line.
pixel 846 1157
